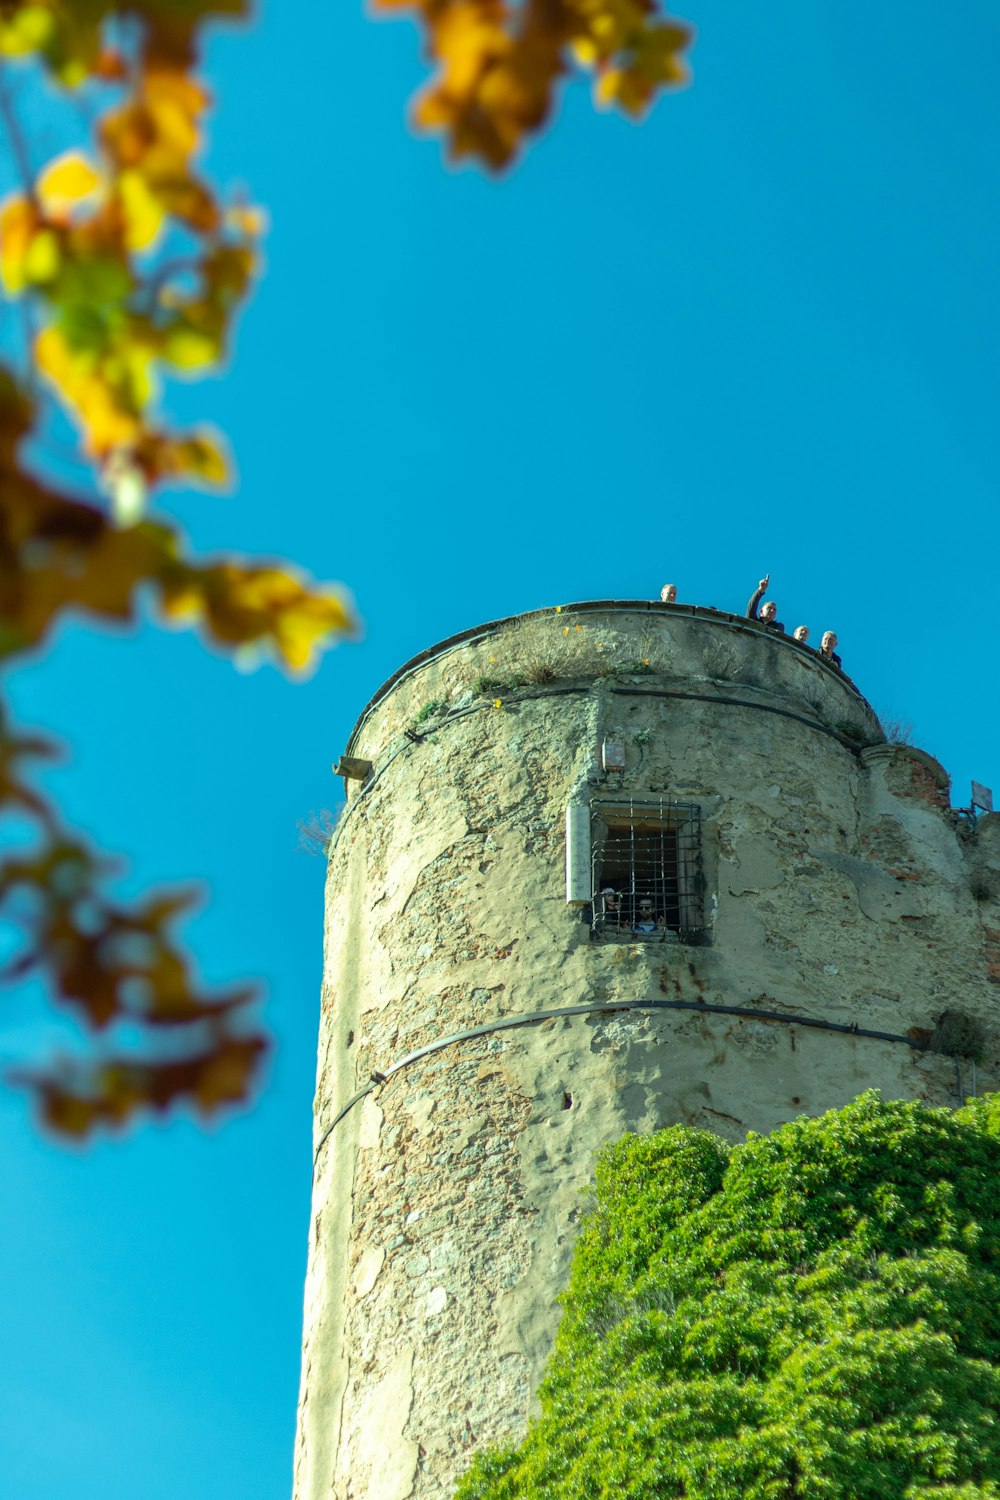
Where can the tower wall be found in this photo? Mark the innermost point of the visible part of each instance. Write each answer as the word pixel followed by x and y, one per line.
pixel 838 888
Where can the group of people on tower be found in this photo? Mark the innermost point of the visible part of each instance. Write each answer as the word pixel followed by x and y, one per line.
pixel 767 614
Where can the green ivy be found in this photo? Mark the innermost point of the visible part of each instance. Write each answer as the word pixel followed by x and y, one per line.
pixel 813 1315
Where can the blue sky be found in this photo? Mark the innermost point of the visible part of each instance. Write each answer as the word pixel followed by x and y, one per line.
pixel 757 333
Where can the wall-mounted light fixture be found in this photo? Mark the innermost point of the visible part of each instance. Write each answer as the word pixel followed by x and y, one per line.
pixel 613 755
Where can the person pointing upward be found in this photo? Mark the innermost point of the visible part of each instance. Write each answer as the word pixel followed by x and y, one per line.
pixel 768 612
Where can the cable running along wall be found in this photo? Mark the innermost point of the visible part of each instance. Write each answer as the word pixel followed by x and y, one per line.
pixel 509 1023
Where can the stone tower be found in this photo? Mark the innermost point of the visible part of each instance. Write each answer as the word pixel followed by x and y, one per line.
pixel 797 909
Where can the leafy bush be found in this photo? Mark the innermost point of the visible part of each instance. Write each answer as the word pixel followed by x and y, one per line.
pixel 814 1314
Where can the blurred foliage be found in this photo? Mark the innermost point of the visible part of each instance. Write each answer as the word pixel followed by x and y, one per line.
pixel 499 63
pixel 812 1314
pixel 128 267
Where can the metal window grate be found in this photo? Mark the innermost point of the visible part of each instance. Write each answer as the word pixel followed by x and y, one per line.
pixel 647 857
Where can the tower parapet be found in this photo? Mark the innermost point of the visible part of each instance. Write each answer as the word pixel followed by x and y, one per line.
pixel 798 909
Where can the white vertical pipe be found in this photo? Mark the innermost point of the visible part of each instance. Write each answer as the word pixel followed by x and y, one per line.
pixel 577 854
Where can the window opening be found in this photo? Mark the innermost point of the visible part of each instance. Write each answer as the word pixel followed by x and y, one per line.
pixel 647 880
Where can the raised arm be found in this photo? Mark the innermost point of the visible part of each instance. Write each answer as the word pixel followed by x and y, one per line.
pixel 757 596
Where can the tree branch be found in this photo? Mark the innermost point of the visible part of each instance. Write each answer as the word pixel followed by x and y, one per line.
pixel 15 135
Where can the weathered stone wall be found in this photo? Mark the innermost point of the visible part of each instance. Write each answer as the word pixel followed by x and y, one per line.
pixel 841 888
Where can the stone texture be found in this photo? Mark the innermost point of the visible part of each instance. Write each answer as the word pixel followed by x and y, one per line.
pixel 839 887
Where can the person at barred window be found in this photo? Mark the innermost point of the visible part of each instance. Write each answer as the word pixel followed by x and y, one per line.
pixel 647 920
pixel 668 593
pixel 766 613
pixel 801 634
pixel 613 917
pixel 828 648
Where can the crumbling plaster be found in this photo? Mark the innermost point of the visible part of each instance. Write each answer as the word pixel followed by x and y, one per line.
pixel 446 1203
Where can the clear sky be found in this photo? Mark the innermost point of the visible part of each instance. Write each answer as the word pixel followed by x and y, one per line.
pixel 758 332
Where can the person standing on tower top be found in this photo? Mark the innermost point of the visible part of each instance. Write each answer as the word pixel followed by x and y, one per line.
pixel 828 647
pixel 768 614
pixel 668 593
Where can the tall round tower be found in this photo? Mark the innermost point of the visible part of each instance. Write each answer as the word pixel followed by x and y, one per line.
pixel 602 869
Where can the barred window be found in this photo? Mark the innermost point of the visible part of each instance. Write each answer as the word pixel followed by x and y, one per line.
pixel 646 872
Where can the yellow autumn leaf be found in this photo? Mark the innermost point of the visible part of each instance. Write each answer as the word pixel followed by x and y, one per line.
pixel 66 181
pixel 71 71
pixel 105 423
pixel 182 602
pixel 134 375
pixel 41 263
pixel 55 358
pixel 117 380
pixel 605 26
pixel 141 209
pixel 242 605
pixel 608 87
pixel 499 64
pixel 83 387
pixel 18 223
pixel 29 29
pixel 202 457
pixel 174 101
pixel 189 348
pixel 468 39
pixel 303 622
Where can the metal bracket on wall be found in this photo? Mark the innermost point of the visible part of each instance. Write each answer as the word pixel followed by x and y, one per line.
pixel 353 768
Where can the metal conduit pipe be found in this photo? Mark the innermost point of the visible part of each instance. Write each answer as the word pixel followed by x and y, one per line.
pixel 532 1018
pixel 738 623
pixel 854 746
pixel 451 718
